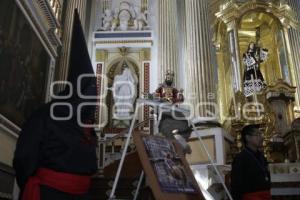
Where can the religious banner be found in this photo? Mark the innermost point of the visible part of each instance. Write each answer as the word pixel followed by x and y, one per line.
pixel 167 165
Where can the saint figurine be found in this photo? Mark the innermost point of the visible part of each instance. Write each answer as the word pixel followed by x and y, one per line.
pixel 167 92
pixel 253 79
pixel 107 20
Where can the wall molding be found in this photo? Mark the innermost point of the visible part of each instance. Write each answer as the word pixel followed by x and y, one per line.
pixel 9 127
pixel 42 20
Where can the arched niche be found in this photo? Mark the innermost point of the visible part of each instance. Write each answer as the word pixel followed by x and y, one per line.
pixel 225 71
pixel 276 67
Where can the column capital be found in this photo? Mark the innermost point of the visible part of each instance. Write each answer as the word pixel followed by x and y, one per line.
pixel 232 25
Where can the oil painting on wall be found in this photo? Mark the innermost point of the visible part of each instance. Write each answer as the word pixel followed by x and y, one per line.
pixel 24 64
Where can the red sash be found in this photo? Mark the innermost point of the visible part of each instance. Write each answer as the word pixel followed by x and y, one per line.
pixel 68 183
pixel 261 195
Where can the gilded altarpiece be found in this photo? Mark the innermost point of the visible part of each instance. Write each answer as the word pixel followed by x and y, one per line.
pixel 265 24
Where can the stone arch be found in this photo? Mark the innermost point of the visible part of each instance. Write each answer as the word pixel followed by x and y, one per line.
pixel 115 65
pixel 281 12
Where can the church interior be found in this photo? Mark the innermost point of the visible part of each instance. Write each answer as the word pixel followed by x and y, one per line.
pixel 197 57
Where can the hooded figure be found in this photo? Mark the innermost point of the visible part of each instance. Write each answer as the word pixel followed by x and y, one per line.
pixel 55 154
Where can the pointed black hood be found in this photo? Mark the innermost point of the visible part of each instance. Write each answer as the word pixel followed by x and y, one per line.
pixel 79 62
pixel 84 88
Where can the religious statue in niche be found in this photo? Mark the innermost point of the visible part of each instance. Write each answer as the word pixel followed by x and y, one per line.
pixel 124 18
pixel 167 92
pixel 253 79
pixel 125 93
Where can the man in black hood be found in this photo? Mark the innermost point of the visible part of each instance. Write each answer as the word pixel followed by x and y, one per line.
pixel 56 152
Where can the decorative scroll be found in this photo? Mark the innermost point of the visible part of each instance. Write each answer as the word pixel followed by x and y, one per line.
pixel 98 72
pixel 146 89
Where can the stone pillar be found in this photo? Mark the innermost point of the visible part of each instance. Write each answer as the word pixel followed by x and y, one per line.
pixel 294 37
pixel 167 38
pixel 80 5
pixel 200 81
pixel 183 61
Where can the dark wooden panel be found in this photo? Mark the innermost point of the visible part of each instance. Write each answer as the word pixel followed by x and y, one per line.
pixel 7 177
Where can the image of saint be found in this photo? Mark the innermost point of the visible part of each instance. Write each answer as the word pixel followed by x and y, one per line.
pixel 253 79
pixel 167 92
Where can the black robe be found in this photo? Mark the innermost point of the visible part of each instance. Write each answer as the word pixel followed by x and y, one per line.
pixel 249 174
pixel 63 146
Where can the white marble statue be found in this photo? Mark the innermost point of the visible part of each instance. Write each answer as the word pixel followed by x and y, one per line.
pixel 107 20
pixel 124 17
pixel 141 20
pixel 125 93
